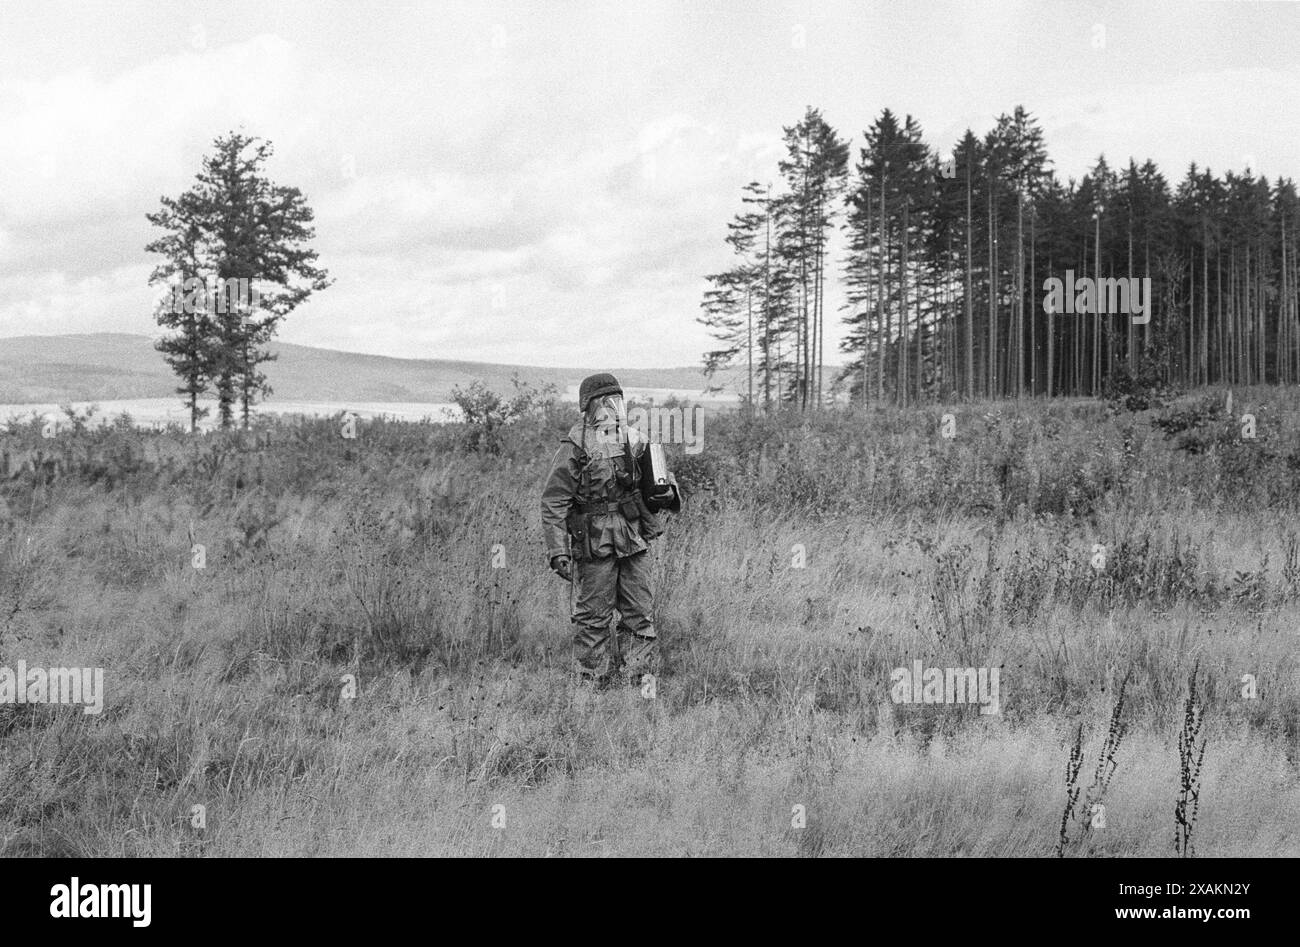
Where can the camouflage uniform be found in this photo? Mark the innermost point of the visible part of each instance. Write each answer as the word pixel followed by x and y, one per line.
pixel 593 488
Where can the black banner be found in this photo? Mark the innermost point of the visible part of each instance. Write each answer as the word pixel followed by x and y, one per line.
pixel 299 896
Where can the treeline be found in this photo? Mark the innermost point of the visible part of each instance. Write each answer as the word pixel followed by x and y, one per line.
pixel 945 258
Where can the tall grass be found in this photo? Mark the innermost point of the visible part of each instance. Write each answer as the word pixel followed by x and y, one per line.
pixel 377 557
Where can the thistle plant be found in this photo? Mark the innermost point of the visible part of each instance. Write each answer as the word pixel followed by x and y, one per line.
pixel 1102 774
pixel 1190 757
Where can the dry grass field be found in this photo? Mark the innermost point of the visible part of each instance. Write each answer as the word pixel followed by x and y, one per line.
pixel 1124 575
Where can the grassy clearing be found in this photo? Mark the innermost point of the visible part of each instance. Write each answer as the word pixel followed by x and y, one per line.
pixel 373 557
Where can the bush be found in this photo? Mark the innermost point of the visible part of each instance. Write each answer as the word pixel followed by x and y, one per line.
pixel 1140 389
pixel 487 412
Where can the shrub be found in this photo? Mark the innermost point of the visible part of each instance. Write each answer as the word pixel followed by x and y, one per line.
pixel 487 412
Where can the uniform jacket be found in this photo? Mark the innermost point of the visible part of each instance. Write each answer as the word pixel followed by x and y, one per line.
pixel 612 533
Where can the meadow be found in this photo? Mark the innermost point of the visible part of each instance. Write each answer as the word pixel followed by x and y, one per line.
pixel 374 659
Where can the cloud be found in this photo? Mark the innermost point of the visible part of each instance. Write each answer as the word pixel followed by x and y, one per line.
pixel 76 145
pixel 457 232
pixel 537 186
pixel 53 303
pixel 1192 117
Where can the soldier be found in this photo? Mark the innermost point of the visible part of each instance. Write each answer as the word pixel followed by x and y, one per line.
pixel 598 524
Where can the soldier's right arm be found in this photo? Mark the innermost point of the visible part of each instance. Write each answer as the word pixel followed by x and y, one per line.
pixel 558 497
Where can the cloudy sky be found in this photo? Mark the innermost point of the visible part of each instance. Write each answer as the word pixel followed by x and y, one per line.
pixel 546 183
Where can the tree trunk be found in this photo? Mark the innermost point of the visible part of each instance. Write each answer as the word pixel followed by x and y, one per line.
pixel 991 380
pixel 970 328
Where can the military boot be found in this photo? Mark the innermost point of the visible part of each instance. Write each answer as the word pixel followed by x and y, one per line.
pixel 595 671
pixel 640 657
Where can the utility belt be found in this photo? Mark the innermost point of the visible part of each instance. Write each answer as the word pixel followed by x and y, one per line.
pixel 579 520
pixel 610 506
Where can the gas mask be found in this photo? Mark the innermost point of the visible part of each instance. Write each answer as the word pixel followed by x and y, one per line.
pixel 607 416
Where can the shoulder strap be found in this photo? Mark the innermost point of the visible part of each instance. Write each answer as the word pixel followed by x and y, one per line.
pixel 580 450
pixel 629 463
pixel 584 463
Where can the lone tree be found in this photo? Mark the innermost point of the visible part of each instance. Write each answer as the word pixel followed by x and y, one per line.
pixel 236 262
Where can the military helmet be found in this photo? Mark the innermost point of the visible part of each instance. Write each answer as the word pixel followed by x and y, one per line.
pixel 593 386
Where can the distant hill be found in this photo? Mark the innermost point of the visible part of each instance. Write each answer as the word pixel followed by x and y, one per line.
pixel 113 366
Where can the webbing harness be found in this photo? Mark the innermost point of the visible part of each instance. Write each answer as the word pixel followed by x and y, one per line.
pixel 584 502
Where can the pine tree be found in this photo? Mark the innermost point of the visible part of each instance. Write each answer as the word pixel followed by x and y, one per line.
pixel 814 170
pixel 250 238
pixel 191 351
